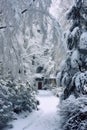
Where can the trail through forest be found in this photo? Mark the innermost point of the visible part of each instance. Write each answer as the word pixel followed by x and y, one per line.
pixel 43 119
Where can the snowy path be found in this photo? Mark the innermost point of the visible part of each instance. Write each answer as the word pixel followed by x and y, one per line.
pixel 44 119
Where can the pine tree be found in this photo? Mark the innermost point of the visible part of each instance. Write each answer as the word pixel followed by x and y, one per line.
pixel 73 75
pixel 74 71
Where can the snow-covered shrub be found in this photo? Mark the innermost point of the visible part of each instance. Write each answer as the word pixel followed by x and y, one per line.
pixel 73 113
pixel 23 98
pixel 28 98
pixel 5 104
pixel 15 98
pixel 5 112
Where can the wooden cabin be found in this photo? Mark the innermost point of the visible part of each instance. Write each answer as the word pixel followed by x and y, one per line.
pixel 39 79
pixel 44 83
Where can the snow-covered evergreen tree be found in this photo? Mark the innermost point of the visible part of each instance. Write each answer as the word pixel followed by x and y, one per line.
pixel 74 67
pixel 73 75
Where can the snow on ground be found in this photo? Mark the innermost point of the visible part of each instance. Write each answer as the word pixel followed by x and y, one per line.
pixel 43 119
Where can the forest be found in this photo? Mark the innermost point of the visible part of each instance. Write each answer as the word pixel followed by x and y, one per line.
pixel 43 65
